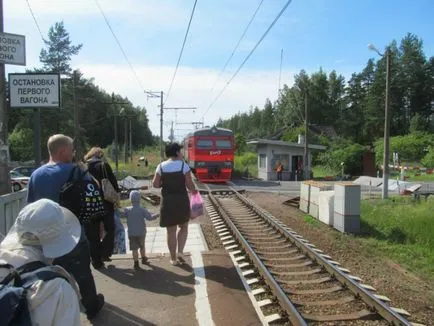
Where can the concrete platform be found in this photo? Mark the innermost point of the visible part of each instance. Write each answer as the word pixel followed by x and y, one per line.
pixel 162 294
pixel 155 242
pixel 204 291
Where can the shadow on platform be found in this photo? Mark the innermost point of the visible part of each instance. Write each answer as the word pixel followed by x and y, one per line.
pixel 114 316
pixel 153 279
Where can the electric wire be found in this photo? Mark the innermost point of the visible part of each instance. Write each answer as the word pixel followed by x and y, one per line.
pixel 35 20
pixel 182 50
pixel 248 56
pixel 237 45
pixel 120 45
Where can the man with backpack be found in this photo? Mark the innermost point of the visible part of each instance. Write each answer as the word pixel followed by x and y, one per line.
pixel 49 181
pixel 32 292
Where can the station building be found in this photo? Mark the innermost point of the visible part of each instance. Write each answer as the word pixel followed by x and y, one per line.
pixel 290 155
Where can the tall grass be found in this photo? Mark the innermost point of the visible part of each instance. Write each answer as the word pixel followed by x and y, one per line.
pixel 137 168
pixel 320 171
pixel 247 160
pixel 403 229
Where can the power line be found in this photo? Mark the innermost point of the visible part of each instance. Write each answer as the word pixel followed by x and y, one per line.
pixel 248 56
pixel 36 22
pixel 237 45
pixel 182 50
pixel 120 46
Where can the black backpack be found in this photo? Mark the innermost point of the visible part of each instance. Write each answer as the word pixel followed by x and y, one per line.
pixel 82 195
pixel 13 291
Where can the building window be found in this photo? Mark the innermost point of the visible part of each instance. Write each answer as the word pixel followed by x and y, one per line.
pixel 262 161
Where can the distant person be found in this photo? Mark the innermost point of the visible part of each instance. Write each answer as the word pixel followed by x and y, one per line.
pixel 42 232
pixel 279 172
pixel 100 169
pixel 174 177
pixel 146 163
pixel 47 182
pixel 136 216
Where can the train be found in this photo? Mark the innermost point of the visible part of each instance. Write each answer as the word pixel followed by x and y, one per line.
pixel 210 154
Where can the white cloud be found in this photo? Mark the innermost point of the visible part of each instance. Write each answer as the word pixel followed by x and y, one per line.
pixel 147 10
pixel 191 89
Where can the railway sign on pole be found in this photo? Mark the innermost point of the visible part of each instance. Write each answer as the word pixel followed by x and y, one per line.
pixel 34 90
pixel 12 49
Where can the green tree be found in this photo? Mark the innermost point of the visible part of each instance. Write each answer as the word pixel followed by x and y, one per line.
pixel 21 144
pixel 57 56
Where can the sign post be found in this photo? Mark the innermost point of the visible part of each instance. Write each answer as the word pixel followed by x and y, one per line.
pixel 13 49
pixel 36 91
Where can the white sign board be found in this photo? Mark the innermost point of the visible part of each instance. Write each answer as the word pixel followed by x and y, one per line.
pixel 34 90
pixel 13 49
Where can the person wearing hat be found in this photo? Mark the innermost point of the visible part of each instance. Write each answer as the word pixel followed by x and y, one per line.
pixel 174 177
pixel 42 232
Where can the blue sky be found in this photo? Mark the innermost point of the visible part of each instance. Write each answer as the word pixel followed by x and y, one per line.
pixel 331 34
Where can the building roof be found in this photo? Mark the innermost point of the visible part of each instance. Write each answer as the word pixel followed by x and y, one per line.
pixel 284 143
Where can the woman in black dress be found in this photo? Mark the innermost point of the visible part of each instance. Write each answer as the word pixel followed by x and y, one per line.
pixel 174 177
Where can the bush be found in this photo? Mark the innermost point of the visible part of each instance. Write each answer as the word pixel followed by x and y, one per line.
pixel 411 147
pixel 247 160
pixel 349 153
pixel 21 144
pixel 428 160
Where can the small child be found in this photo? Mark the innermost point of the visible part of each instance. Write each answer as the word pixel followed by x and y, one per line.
pixel 136 216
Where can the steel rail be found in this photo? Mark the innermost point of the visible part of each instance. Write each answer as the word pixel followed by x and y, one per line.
pixel 374 303
pixel 293 315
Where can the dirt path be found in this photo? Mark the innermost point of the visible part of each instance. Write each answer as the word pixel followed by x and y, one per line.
pixel 405 289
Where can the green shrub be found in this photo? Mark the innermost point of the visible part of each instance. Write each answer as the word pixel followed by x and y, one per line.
pixel 411 147
pixel 21 144
pixel 247 160
pixel 428 160
pixel 349 153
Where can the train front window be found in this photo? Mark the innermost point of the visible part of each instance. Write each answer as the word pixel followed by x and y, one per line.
pixel 204 144
pixel 223 144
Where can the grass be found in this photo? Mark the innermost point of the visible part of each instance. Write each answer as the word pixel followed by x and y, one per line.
pixel 247 160
pixel 321 172
pixel 422 177
pixel 311 221
pixel 401 229
pixel 136 168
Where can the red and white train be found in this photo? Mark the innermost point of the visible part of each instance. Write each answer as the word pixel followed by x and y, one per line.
pixel 210 154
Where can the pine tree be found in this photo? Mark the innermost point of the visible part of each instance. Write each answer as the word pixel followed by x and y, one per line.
pixel 57 56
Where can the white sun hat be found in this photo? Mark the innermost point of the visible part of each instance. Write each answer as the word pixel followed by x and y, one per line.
pixel 46 224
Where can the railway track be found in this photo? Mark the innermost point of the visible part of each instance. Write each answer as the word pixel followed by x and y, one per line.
pixel 292 281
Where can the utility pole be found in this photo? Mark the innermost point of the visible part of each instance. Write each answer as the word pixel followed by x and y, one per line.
pixel 387 116
pixel 116 143
pixel 37 135
pixel 116 130
pixel 160 94
pixel 306 143
pixel 4 146
pixel 280 73
pixel 131 142
pixel 76 116
pixel 125 140
pixel 161 128
pixel 387 112
pixel 171 137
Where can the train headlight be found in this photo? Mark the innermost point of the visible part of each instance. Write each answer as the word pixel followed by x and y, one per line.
pixel 228 164
pixel 200 164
